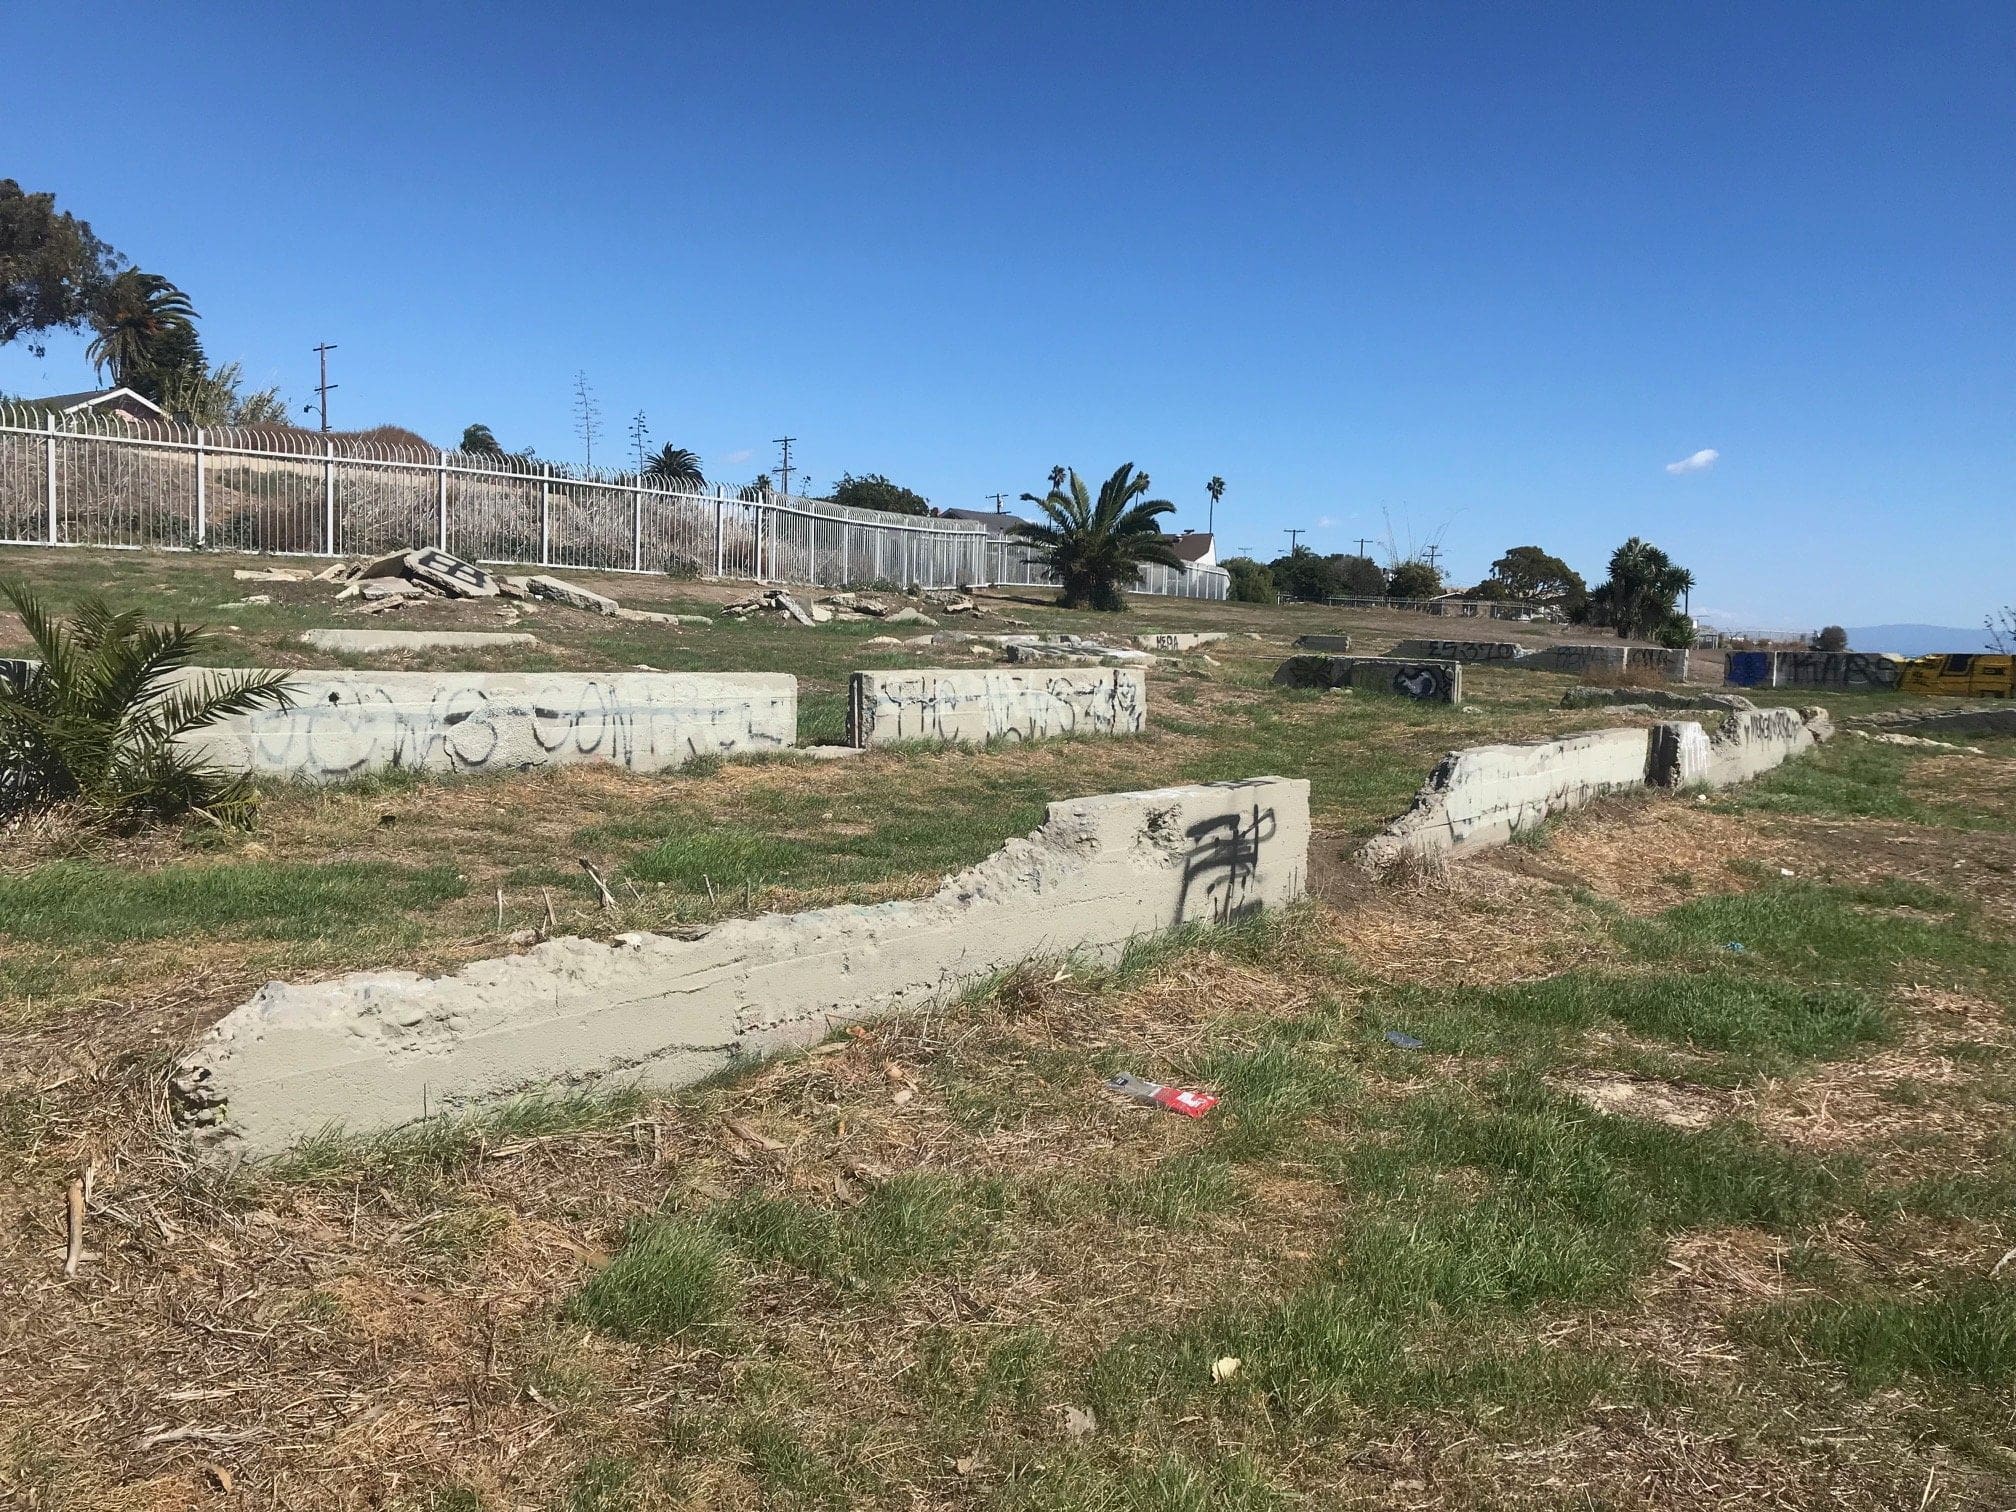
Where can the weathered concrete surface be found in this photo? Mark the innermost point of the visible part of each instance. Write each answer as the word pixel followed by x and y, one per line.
pixel 1177 640
pixel 1323 643
pixel 379 642
pixel 376 1050
pixel 1744 745
pixel 1428 681
pixel 1812 669
pixel 971 707
pixel 1655 698
pixel 1484 795
pixel 342 724
pixel 1067 649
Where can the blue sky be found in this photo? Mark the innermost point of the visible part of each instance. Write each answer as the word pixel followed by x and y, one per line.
pixel 1482 270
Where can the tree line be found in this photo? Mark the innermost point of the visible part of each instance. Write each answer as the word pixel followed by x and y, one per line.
pixel 1641 598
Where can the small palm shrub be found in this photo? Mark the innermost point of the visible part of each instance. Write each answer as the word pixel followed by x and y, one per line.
pixel 1096 547
pixel 98 723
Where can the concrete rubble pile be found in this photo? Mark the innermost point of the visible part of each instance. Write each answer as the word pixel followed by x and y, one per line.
pixel 399 578
pixel 849 607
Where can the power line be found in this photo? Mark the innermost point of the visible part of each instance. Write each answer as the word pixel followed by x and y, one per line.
pixel 999 500
pixel 1293 540
pixel 322 355
pixel 784 464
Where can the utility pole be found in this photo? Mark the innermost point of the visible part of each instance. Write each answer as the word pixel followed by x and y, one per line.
pixel 322 354
pixel 1363 542
pixel 784 464
pixel 999 501
pixel 1293 539
pixel 1432 554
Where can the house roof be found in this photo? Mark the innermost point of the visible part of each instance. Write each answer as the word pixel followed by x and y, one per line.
pixel 69 404
pixel 1192 545
pixel 1000 522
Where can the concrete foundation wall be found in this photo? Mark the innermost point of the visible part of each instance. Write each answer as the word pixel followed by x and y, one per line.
pixel 343 724
pixel 970 706
pixel 1323 643
pixel 2000 721
pixel 1482 796
pixel 1432 682
pixel 1178 640
pixel 1574 657
pixel 1744 745
pixel 1812 669
pixel 1460 650
pixel 376 1050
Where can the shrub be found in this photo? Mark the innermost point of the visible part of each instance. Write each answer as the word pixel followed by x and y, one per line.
pixel 99 722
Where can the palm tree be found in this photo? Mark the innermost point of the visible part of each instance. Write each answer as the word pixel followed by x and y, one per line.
pixel 1094 548
pixel 675 468
pixel 100 721
pixel 1056 477
pixel 146 330
pixel 1215 488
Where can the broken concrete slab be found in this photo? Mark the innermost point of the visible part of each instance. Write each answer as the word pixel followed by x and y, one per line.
pixel 559 591
pixel 909 617
pixel 975 706
pixel 377 642
pixel 1323 643
pixel 1426 681
pixel 269 575
pixel 449 575
pixel 377 1050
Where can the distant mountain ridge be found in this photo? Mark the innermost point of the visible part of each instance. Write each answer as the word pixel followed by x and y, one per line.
pixel 1916 640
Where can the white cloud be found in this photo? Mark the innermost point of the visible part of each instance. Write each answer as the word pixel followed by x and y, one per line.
pixel 738 457
pixel 1701 461
pixel 1324 522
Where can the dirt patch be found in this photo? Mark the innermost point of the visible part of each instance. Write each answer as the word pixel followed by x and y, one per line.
pixel 1672 1103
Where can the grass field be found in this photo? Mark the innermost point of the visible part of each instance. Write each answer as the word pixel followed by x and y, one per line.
pixel 1697 1190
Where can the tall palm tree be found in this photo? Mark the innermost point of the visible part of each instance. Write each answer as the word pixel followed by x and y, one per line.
pixel 1215 488
pixel 146 331
pixel 1095 547
pixel 674 467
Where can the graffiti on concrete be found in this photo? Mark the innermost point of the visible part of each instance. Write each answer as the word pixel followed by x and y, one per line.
pixel 1424 680
pixel 340 730
pixel 1223 863
pixel 1811 669
pixel 1461 651
pixel 974 707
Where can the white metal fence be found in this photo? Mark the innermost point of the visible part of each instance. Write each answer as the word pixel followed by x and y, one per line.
pixel 135 484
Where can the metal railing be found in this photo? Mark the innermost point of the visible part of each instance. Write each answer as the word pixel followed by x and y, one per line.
pixel 109 482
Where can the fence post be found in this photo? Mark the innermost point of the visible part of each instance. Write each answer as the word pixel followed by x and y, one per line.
pixel 329 498
pixel 720 523
pixel 812 550
pixel 50 471
pixel 545 515
pixel 202 499
pixel 441 499
pixel 846 553
pixel 637 530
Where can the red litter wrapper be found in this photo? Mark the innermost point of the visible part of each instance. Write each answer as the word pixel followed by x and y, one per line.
pixel 1175 1099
